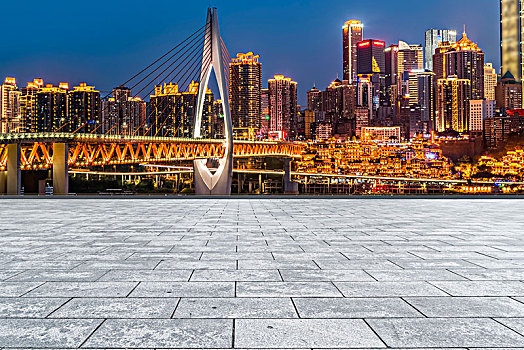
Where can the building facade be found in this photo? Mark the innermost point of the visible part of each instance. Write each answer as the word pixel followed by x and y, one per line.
pixel 511 40
pixel 352 34
pixel 123 114
pixel 433 38
pixel 452 104
pixel 245 73
pixel 10 119
pixel 490 82
pixel 282 105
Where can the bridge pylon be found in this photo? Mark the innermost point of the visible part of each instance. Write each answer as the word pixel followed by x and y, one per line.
pixel 219 182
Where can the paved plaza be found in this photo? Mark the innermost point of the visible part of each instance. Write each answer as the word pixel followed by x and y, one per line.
pixel 261 273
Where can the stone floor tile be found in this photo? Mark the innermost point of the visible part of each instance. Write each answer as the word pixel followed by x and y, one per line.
pixel 147 275
pixel 481 288
pixel 235 308
pixel 235 275
pixel 29 307
pixel 45 333
pixel 191 334
pixel 185 289
pixel 83 289
pixel 354 308
pixel 286 289
pixel 117 308
pixel 468 306
pixel 325 275
pixel 265 334
pixel 387 289
pixel 516 324
pixel 57 276
pixel 415 275
pixel 16 289
pixel 445 332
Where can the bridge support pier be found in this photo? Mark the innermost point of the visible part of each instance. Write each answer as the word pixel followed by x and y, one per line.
pixel 290 187
pixel 3 182
pixel 14 170
pixel 60 168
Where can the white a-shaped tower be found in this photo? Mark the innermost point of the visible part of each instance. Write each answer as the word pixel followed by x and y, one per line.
pixel 219 182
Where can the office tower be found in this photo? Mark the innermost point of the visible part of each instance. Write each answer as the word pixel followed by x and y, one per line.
pixel 511 41
pixel 490 82
pixel 391 63
pixel 409 57
pixel 52 110
pixel 466 61
pixel 422 95
pixel 123 114
pixel 439 59
pixel 244 91
pixel 352 34
pixel 309 122
pixel 314 99
pixel 479 111
pixel 264 117
pixel 452 104
pixel 28 104
pixel 508 92
pixel 282 105
pixel 84 108
pixel 172 111
pixel 371 57
pixel 10 120
pixel 433 38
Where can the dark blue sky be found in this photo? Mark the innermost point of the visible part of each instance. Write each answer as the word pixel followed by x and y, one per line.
pixel 105 42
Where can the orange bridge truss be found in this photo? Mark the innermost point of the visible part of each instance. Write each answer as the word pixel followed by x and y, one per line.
pixel 96 150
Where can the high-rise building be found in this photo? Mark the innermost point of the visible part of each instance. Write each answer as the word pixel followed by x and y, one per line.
pixel 123 114
pixel 314 99
pixel 508 92
pixel 490 82
pixel 479 111
pixel 10 120
pixel 409 57
pixel 466 61
pixel 452 104
pixel 28 104
pixel 371 57
pixel 244 91
pixel 439 59
pixel 511 37
pixel 84 108
pixel 173 111
pixel 433 38
pixel 52 110
pixel 422 95
pixel 265 117
pixel 352 34
pixel 282 105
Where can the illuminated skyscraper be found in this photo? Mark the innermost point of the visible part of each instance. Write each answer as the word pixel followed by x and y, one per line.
pixel 10 120
pixel 508 93
pixel 452 104
pixel 433 38
pixel 28 104
pixel 511 37
pixel 123 114
pixel 52 112
pixel 371 57
pixel 439 59
pixel 352 34
pixel 314 99
pixel 172 111
pixel 490 82
pixel 466 61
pixel 409 57
pixel 84 108
pixel 244 91
pixel 282 105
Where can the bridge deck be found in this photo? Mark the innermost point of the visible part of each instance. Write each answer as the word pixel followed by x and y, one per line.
pixel 276 274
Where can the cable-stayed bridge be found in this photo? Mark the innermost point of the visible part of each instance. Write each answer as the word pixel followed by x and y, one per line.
pixel 155 137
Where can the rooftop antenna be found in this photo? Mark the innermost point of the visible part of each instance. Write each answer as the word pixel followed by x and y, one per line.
pixel 464 29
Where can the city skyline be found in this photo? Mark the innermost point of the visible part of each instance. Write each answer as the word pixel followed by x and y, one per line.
pixel 89 57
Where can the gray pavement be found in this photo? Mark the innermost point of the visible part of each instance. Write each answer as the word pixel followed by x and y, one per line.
pixel 261 273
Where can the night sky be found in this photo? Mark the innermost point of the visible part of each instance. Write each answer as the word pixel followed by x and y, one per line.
pixel 106 42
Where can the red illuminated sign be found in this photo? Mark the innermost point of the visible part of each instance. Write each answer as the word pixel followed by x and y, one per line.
pixel 364 44
pixel 379 43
